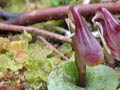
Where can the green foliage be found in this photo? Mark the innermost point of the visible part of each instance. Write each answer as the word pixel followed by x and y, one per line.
pixel 7 63
pixel 34 59
pixel 16 5
pixel 63 2
pixel 100 77
pixel 66 49
pixel 23 5
pixel 64 77
pixel 12 53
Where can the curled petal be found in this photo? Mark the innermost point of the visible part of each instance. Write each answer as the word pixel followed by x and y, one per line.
pixel 90 50
pixel 109 27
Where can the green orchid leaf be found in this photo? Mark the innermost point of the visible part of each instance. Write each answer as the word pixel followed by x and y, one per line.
pixel 65 77
pixel 101 78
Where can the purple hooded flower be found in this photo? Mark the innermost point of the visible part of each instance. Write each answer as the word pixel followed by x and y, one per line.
pixel 109 27
pixel 89 49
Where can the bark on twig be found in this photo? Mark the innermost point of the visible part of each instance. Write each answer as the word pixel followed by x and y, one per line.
pixel 34 31
pixel 52 47
pixel 61 12
pixel 9 16
pixel 40 15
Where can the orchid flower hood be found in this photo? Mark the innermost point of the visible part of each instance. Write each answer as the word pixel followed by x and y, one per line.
pixel 89 49
pixel 109 27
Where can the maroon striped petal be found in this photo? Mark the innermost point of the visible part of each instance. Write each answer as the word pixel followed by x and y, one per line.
pixel 110 26
pixel 90 50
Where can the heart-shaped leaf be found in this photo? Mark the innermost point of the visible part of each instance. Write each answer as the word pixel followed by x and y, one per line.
pixel 101 77
pixel 65 77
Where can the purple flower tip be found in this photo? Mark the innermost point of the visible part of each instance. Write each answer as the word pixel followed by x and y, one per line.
pixel 109 27
pixel 89 48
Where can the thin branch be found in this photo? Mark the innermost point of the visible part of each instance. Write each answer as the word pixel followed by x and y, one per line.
pixel 9 16
pixel 34 31
pixel 52 47
pixel 61 12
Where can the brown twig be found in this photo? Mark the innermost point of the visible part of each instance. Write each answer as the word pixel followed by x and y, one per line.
pixel 61 12
pixel 9 16
pixel 34 31
pixel 52 47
